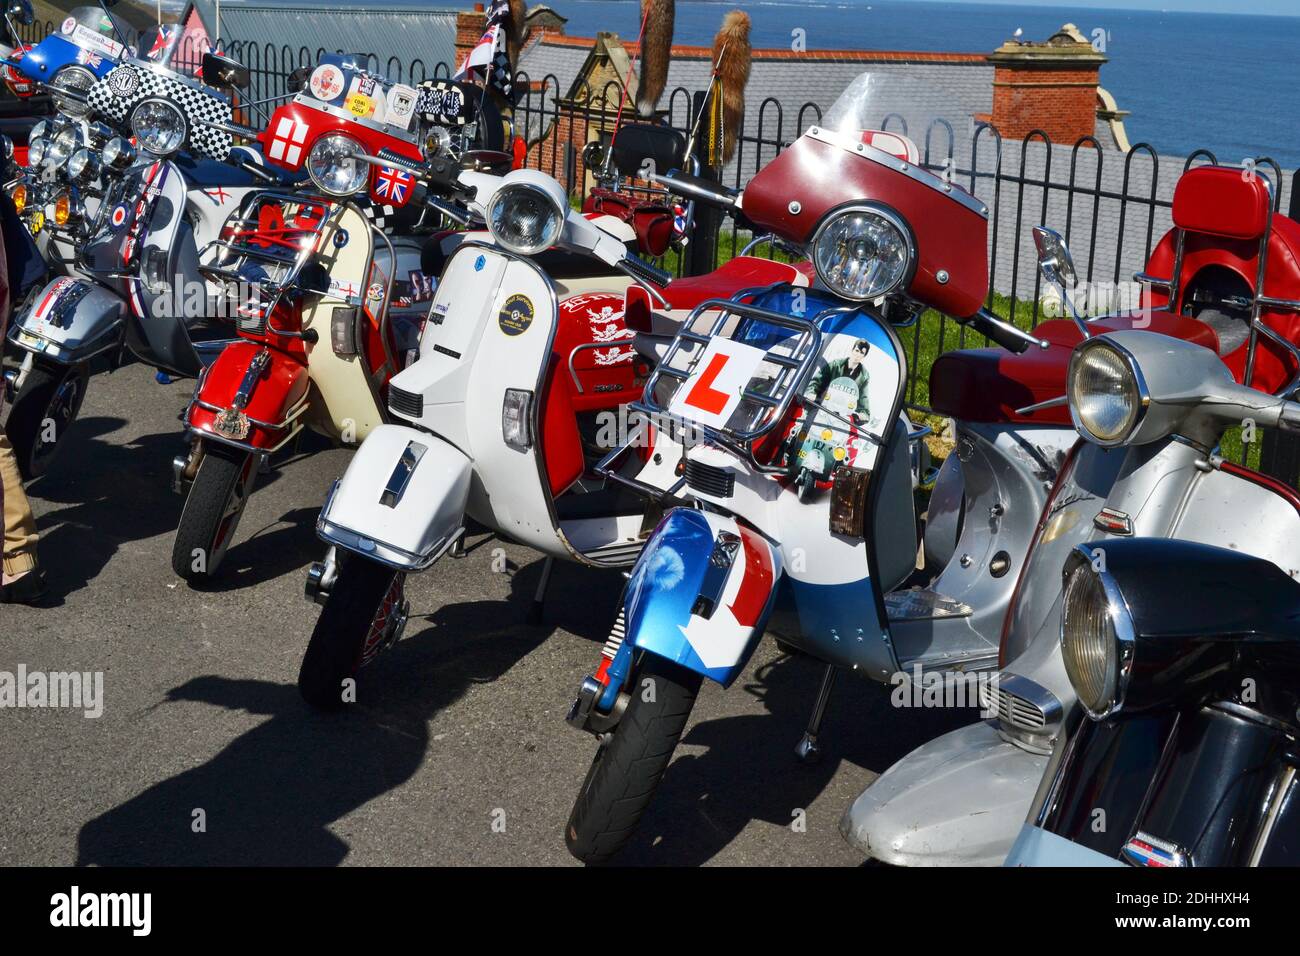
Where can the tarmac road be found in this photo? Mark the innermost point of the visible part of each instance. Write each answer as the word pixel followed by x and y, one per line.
pixel 456 753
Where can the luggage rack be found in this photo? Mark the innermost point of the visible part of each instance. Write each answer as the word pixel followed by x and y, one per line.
pixel 287 252
pixel 793 369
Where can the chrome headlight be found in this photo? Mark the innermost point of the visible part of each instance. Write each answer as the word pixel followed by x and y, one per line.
pixel 1106 392
pixel 1096 636
pixel 524 218
pixel 61 148
pixel 6 148
pixel 118 153
pixel 863 252
pixel 72 78
pixel 83 167
pixel 437 142
pixel 38 132
pixel 36 152
pixel 333 166
pixel 159 126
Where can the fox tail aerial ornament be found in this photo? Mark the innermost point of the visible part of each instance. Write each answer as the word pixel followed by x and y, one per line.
pixel 731 61
pixel 656 50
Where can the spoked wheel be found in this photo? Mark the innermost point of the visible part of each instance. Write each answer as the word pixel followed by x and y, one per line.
pixel 364 613
pixel 806 484
pixel 212 511
pixel 631 760
pixel 43 411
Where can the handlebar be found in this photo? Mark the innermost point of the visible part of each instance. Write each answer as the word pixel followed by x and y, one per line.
pixel 698 188
pixel 1004 333
pixel 643 271
pixel 256 171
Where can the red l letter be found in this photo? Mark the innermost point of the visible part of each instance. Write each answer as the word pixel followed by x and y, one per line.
pixel 704 396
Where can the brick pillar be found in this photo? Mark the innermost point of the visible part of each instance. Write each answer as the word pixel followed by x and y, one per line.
pixel 470 27
pixel 1049 86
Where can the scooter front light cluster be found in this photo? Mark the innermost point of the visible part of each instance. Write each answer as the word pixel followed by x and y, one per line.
pixel 524 219
pixel 1105 393
pixel 863 252
pixel 118 153
pixel 68 210
pixel 515 414
pixel 60 149
pixel 1096 636
pixel 83 167
pixel 19 196
pixel 333 166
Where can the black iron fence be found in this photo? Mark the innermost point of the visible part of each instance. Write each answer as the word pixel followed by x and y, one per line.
pixel 1112 206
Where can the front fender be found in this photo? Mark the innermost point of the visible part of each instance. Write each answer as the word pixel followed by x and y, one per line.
pixel 274 396
pixel 701 593
pixel 70 321
pixel 402 500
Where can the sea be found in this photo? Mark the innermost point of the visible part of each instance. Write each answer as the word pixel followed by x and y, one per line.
pixel 1223 82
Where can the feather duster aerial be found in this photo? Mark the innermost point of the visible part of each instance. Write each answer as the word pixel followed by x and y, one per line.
pixel 656 51
pixel 731 60
pixel 515 30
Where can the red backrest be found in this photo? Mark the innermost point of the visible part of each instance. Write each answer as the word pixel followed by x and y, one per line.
pixel 1221 201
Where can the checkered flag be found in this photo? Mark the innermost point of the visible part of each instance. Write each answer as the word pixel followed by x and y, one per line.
pixel 378 214
pixel 126 86
pixel 443 102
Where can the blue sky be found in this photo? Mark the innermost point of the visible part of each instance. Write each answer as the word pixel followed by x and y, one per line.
pixel 1277 8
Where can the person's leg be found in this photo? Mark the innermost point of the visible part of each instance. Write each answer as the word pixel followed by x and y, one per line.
pixel 20 525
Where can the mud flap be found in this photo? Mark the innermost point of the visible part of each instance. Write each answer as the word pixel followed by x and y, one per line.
pixel 701 593
pixel 401 501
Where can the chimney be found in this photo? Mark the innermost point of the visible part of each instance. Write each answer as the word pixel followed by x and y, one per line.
pixel 1049 86
pixel 470 27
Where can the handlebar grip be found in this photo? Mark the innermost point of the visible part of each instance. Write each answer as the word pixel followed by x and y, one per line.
pixel 1004 333
pixel 257 171
pixel 697 188
pixel 638 268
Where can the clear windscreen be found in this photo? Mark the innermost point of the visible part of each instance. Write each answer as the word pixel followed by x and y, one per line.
pixel 932 117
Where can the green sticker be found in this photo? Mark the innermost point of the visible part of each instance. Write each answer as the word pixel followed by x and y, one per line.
pixel 516 315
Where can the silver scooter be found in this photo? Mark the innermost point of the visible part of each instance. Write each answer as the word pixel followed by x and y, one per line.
pixel 961 799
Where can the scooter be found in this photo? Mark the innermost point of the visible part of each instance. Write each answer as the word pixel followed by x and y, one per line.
pixel 525 359
pixel 138 286
pixel 1181 748
pixel 314 280
pixel 1211 282
pixel 744 387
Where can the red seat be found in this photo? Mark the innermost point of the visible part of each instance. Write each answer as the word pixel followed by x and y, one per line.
pixel 988 385
pixel 742 272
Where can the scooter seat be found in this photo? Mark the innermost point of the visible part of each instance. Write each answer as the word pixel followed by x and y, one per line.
pixel 742 272
pixel 988 385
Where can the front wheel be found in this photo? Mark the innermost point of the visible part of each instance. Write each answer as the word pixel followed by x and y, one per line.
pixel 212 511
pixel 44 409
pixel 631 760
pixel 364 613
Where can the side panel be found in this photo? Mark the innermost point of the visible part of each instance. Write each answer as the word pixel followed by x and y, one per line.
pixel 684 603
pixel 70 320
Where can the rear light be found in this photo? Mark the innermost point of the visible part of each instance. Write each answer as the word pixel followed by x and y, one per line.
pixel 849 501
pixel 19 196
pixel 637 310
pixel 343 331
pixel 515 430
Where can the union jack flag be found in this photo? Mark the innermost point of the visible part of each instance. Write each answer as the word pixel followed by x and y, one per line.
pixel 393 186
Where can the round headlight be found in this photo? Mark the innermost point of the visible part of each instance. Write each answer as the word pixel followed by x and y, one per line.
pixel 118 153
pixel 72 78
pixel 1105 393
pixel 83 167
pixel 59 149
pixel 38 131
pixel 36 152
pixel 1096 639
pixel 524 219
pixel 862 253
pixel 68 210
pixel 437 142
pixel 7 148
pixel 19 196
pixel 159 127
pixel 333 167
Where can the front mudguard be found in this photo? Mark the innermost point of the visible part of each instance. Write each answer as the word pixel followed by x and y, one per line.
pixel 402 500
pixel 70 322
pixel 958 800
pixel 274 398
pixel 699 595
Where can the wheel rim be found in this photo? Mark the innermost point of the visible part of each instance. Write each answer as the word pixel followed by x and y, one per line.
pixel 384 625
pixel 60 410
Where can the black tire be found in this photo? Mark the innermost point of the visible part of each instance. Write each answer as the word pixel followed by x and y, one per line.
pixel 212 511
pixel 631 761
pixel 49 393
pixel 349 630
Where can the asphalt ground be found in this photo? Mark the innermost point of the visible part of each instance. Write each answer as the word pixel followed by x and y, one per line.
pixel 456 752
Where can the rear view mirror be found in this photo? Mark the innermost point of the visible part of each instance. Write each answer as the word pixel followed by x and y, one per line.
pixel 20 11
pixel 1054 259
pixel 297 80
pixel 224 73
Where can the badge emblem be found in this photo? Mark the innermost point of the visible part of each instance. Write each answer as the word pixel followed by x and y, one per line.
pixel 479 263
pixel 340 239
pixel 326 82
pixel 1146 850
pixel 123 81
pixel 69 24
pixel 117 218
pixel 232 423
pixel 516 315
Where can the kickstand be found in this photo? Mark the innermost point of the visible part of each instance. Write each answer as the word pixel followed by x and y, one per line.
pixel 539 598
pixel 808 750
